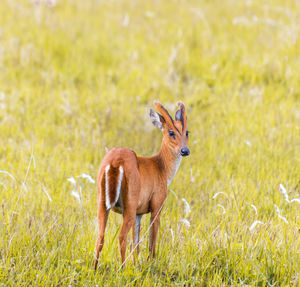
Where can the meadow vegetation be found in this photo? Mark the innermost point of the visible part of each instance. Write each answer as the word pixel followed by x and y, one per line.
pixel 79 77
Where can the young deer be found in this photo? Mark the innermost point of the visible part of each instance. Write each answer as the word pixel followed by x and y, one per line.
pixel 134 186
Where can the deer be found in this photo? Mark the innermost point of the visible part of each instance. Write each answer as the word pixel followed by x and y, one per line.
pixel 133 186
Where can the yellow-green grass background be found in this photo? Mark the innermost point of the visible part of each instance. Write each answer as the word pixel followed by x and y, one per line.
pixel 77 77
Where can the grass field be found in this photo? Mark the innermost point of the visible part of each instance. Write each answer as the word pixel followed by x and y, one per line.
pixel 78 77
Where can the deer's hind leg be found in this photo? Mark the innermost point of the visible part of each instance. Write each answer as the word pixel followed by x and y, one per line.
pixel 128 221
pixel 102 220
pixel 130 200
pixel 102 216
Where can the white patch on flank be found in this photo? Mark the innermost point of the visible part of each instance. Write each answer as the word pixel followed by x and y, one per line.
pixel 107 201
pixel 177 164
pixel 119 184
pixel 108 206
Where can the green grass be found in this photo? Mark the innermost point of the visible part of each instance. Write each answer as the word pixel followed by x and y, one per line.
pixel 81 76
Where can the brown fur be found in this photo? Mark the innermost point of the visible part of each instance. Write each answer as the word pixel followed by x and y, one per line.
pixel 144 184
pixel 113 175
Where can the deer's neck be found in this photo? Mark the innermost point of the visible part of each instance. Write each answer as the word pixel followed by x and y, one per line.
pixel 171 161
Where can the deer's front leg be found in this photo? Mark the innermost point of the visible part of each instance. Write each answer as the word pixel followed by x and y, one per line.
pixel 130 201
pixel 154 224
pixel 156 205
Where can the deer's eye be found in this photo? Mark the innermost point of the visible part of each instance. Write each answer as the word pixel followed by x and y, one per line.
pixel 187 134
pixel 172 134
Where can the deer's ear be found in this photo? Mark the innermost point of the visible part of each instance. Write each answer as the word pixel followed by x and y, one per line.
pixel 181 115
pixel 178 116
pixel 157 119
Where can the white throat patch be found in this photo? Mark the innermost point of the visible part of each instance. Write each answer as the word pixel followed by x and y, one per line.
pixel 177 164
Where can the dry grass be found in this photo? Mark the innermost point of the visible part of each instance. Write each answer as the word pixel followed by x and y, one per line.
pixel 80 77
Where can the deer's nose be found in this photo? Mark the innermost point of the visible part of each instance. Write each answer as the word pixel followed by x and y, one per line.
pixel 185 151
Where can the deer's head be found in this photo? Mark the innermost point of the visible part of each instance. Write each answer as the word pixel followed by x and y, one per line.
pixel 175 132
